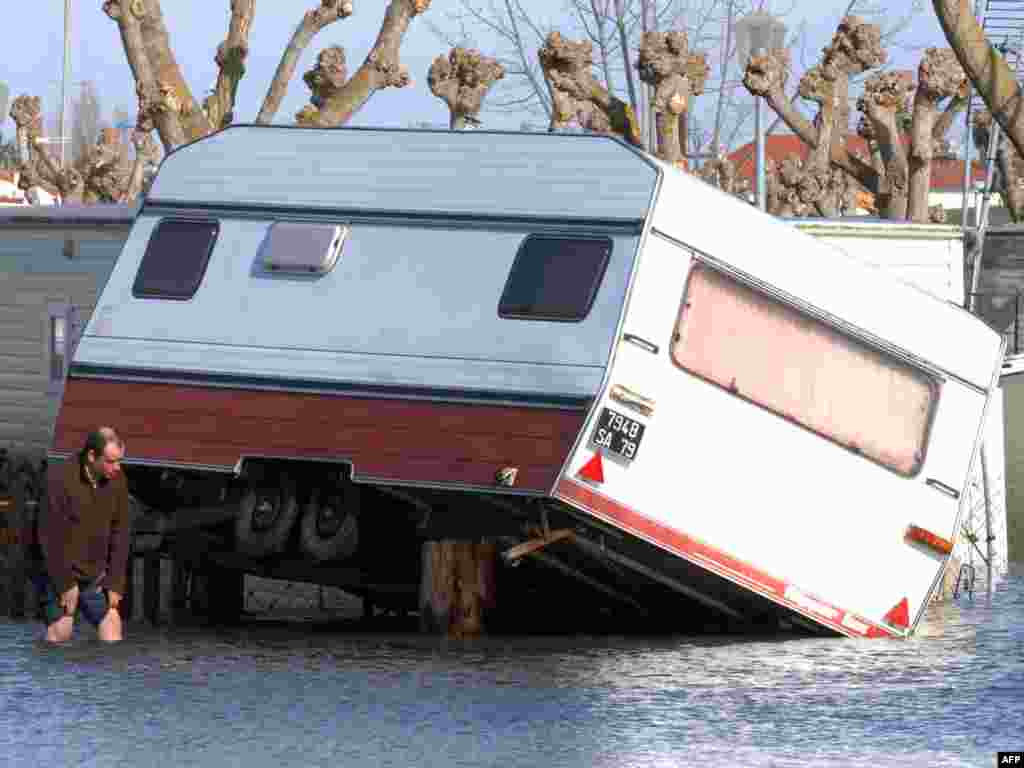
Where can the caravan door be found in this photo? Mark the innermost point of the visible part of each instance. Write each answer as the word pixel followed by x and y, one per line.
pixel 757 440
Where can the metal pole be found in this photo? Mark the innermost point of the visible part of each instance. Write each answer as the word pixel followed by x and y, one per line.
pixel 979 245
pixel 989 548
pixel 762 201
pixel 968 141
pixel 67 75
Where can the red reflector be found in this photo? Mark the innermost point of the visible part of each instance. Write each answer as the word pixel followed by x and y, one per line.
pixel 593 470
pixel 929 539
pixel 898 615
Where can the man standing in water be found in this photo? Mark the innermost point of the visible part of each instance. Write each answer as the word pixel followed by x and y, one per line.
pixel 84 538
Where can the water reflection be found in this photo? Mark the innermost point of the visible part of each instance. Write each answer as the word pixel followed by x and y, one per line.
pixel 291 696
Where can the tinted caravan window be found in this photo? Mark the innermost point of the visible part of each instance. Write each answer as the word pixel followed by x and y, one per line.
pixel 555 278
pixel 175 259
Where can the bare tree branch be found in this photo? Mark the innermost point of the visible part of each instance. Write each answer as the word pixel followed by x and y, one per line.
pixel 145 155
pixel 156 105
pixel 461 80
pixel 328 12
pixel 577 95
pixel 169 80
pixel 939 77
pixel 230 58
pixel 333 106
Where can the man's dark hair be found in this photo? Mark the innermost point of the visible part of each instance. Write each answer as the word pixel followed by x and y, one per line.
pixel 97 442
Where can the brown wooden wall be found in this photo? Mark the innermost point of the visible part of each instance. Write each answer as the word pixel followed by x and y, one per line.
pixel 386 439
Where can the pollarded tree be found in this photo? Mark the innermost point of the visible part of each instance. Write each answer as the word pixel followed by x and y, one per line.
pixel 676 75
pixel 898 173
pixel 577 96
pixel 166 104
pixel 167 101
pixel 99 176
pixel 461 80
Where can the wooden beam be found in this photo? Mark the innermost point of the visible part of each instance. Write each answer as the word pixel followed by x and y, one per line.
pixel 534 545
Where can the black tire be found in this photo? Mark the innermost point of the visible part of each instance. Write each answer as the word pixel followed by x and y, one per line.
pixel 330 523
pixel 266 514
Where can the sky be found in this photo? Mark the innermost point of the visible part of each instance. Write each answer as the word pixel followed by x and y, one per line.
pixel 34 49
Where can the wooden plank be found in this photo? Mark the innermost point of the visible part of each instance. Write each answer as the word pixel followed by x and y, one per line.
pixel 337 411
pixel 22 380
pixel 535 545
pixel 18 346
pixel 19 422
pixel 13 364
pixel 410 441
pixel 457 595
pixel 322 438
pixel 22 432
pixel 24 398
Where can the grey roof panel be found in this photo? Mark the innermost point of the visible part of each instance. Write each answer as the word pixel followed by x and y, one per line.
pixel 475 173
pixel 118 215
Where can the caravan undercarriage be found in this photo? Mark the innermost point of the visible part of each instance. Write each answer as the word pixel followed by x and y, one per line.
pixel 556 570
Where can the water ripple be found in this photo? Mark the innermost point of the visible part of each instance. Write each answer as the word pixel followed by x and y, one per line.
pixel 262 696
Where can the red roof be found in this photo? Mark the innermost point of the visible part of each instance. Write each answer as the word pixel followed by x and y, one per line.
pixel 947 173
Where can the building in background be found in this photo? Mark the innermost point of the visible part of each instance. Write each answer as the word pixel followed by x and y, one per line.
pixel 54 261
pixel 947 172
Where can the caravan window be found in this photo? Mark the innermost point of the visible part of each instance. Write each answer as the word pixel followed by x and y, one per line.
pixel 175 259
pixel 775 356
pixel 555 278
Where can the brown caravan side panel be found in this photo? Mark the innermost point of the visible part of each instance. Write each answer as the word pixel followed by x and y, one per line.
pixel 387 440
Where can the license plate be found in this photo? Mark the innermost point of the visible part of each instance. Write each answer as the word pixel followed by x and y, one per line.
pixel 618 434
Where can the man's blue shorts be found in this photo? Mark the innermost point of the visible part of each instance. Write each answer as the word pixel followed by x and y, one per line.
pixel 92 600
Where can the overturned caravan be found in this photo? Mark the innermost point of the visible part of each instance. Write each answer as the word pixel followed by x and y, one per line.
pixel 479 334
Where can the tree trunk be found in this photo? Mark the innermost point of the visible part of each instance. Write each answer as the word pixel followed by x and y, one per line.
pixel 1010 188
pixel 157 45
pixel 231 56
pixel 311 24
pixel 987 69
pixel 457 595
pixel 166 122
pixel 920 161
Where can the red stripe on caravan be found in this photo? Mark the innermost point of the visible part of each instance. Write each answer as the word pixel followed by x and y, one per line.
pixel 717 561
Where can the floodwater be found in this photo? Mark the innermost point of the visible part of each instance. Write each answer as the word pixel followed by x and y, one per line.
pixel 296 696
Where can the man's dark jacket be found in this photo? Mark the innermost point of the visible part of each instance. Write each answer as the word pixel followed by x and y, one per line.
pixel 85 531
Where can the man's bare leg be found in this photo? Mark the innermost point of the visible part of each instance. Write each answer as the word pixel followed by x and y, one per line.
pixel 110 629
pixel 61 630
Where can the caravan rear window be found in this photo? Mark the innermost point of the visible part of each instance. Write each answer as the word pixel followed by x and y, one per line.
pixel 175 259
pixel 792 364
pixel 555 278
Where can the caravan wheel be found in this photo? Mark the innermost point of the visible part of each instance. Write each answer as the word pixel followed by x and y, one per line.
pixel 266 515
pixel 330 524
